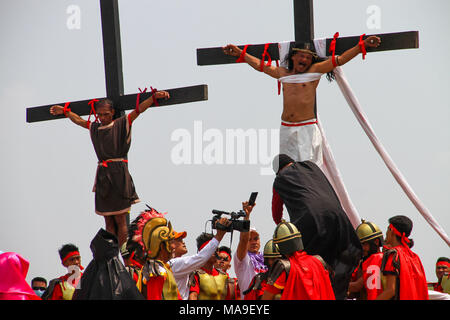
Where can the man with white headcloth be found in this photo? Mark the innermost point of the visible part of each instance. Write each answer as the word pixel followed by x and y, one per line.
pixel 248 261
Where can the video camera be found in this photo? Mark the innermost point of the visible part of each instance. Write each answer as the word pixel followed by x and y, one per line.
pixel 236 224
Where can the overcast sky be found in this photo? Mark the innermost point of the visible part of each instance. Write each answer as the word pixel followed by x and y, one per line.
pixel 52 52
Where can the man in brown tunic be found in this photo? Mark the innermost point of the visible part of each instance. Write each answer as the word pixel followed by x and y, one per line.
pixel 114 187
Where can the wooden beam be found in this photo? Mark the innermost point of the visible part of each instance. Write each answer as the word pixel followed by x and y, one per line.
pixel 389 41
pixel 112 53
pixel 303 20
pixel 126 102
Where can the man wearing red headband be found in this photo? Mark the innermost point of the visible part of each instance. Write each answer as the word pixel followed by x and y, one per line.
pixel 442 273
pixel 403 271
pixel 207 282
pixel 223 263
pixel 62 288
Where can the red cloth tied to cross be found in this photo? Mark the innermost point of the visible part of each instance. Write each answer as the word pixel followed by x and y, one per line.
pixel 155 101
pixel 269 60
pixel 138 100
pixel 333 49
pixel 66 109
pixel 92 112
pixel 362 46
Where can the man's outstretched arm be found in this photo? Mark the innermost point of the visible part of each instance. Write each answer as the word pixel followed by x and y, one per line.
pixel 327 65
pixel 144 105
pixel 254 62
pixel 59 110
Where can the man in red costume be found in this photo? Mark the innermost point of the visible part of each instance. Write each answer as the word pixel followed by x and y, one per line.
pixel 304 278
pixel 62 288
pixel 366 284
pixel 442 274
pixel 402 268
pixel 207 282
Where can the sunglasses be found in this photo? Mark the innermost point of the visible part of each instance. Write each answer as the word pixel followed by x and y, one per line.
pixel 39 288
pixel 221 258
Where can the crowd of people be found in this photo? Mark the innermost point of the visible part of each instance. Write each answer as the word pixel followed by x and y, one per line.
pixel 316 254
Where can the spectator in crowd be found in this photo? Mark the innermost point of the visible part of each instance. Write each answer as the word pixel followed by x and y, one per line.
pixel 39 285
pixel 62 288
pixel 442 275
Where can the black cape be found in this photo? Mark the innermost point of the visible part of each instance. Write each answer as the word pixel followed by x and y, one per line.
pixel 105 278
pixel 315 209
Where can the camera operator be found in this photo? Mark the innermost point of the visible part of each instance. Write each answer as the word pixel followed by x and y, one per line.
pixel 182 267
pixel 248 261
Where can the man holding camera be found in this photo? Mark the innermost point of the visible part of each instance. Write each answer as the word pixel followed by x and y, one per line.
pixel 248 261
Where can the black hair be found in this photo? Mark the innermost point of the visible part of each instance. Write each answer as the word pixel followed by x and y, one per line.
pixel 404 225
pixel 445 259
pixel 67 248
pixel 202 238
pixel 41 279
pixel 104 102
pixel 224 248
pixel 315 57
pixel 280 161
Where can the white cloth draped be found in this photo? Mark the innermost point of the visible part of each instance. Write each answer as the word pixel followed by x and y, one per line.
pixel 329 163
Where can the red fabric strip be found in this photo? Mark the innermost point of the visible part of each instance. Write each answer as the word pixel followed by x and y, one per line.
pixel 66 109
pixel 333 49
pixel 242 56
pixel 362 46
pixel 297 124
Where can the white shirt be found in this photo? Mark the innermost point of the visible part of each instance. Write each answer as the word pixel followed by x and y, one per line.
pixel 244 272
pixel 183 266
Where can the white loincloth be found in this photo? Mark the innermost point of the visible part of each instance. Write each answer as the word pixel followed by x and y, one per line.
pixel 301 141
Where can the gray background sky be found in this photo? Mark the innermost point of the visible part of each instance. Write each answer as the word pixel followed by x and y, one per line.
pixel 48 167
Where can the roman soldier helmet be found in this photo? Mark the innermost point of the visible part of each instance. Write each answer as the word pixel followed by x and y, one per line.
pixel 367 231
pixel 153 230
pixel 271 250
pixel 288 238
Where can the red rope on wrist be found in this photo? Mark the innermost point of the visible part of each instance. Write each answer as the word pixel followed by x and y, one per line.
pixel 362 46
pixel 333 49
pixel 66 109
pixel 155 101
pixel 92 112
pixel 269 60
pixel 138 112
pixel 242 56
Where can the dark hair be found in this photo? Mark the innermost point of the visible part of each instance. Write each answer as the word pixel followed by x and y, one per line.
pixel 67 248
pixel 104 102
pixel 202 238
pixel 224 248
pixel 315 57
pixel 404 225
pixel 39 279
pixel 443 259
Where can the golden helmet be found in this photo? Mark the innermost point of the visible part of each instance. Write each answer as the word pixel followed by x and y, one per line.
pixel 153 229
pixel 288 238
pixel 367 231
pixel 271 250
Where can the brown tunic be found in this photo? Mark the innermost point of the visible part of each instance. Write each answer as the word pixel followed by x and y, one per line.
pixel 113 187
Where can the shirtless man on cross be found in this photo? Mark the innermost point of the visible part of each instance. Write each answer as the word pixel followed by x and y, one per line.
pixel 299 135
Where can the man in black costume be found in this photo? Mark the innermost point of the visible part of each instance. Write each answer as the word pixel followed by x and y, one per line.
pixel 105 278
pixel 315 210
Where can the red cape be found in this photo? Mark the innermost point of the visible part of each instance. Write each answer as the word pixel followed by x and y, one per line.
pixel 307 280
pixel 413 283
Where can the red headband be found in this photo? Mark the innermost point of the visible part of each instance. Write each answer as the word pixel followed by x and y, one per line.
pixel 443 263
pixel 404 239
pixel 226 254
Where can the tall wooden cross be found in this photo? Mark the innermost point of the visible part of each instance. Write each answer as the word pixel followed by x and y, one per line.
pixel 304 32
pixel 114 77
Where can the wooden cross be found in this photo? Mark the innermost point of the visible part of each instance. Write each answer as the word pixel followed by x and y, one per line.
pixel 114 77
pixel 304 32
